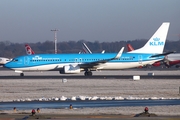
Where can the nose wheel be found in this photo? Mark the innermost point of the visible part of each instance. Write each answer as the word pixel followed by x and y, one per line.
pixel 22 74
pixel 88 73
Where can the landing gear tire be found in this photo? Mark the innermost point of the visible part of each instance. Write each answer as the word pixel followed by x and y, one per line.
pixel 177 66
pixel 88 73
pixel 21 74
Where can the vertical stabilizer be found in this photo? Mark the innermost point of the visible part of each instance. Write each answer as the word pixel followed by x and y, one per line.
pixel 28 49
pixel 129 47
pixel 157 42
pixel 86 49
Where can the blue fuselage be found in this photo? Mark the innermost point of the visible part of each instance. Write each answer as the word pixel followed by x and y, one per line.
pixel 90 61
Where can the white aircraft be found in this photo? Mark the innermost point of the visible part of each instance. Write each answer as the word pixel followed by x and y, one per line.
pixel 151 52
pixel 4 60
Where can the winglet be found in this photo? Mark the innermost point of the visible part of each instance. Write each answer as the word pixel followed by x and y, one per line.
pixel 119 53
pixel 103 52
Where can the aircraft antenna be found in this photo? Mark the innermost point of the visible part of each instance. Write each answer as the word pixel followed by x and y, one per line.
pixel 55 40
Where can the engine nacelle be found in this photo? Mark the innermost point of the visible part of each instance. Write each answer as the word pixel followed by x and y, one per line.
pixel 70 69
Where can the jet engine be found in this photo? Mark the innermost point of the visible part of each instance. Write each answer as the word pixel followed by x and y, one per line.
pixel 70 69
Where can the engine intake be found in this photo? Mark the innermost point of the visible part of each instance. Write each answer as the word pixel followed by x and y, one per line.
pixel 70 69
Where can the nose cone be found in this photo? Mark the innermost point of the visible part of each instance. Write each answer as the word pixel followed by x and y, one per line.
pixel 7 65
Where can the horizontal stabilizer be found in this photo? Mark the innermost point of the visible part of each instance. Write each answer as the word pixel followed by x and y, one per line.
pixel 164 54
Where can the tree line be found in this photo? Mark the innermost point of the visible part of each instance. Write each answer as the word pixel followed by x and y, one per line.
pixel 10 50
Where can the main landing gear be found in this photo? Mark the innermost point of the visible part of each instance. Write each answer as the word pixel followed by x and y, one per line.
pixel 22 74
pixel 88 73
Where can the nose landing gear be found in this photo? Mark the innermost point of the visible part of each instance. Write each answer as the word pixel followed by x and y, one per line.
pixel 21 74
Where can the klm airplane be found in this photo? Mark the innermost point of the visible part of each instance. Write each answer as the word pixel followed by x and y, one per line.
pixel 151 52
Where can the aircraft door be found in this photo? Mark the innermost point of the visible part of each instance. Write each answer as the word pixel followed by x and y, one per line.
pixel 140 59
pixel 26 60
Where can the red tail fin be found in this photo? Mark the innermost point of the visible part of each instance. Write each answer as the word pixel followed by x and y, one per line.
pixel 130 48
pixel 28 49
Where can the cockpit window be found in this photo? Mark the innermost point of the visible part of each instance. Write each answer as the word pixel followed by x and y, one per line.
pixel 15 60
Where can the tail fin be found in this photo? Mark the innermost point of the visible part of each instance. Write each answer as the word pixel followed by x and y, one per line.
pixel 28 49
pixel 157 42
pixel 130 48
pixel 86 49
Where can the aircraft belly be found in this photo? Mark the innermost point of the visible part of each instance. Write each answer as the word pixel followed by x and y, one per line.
pixel 119 65
pixel 123 65
pixel 41 68
pixel 47 67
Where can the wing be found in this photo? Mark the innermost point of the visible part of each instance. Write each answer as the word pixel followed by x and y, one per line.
pixel 96 63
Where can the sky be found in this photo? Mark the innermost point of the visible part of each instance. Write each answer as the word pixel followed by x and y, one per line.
pixel 31 21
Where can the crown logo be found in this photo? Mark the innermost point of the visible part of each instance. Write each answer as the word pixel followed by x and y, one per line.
pixel 156 39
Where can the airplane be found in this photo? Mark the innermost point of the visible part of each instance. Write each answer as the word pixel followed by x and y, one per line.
pixel 169 60
pixel 151 52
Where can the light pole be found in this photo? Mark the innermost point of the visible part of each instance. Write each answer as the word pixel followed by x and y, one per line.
pixel 55 40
